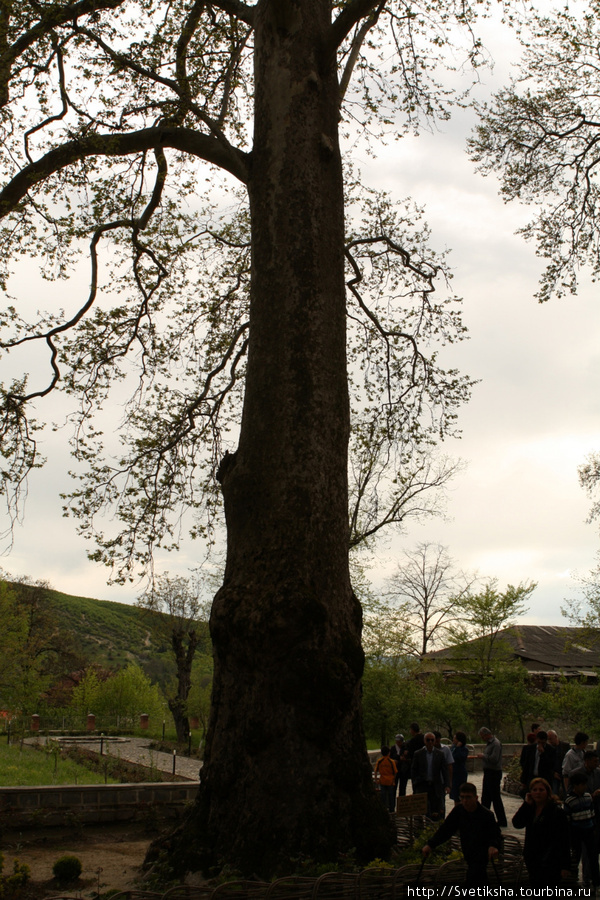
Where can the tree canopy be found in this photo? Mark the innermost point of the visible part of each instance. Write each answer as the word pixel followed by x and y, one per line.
pixel 110 110
pixel 540 136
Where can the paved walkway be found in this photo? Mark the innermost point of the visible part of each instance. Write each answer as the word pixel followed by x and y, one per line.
pixel 137 750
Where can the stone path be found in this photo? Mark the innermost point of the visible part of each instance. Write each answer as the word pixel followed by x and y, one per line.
pixel 137 750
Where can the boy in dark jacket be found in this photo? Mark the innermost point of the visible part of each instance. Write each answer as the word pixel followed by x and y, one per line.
pixel 579 807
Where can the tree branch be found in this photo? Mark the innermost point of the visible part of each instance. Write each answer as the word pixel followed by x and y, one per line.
pixel 357 43
pixel 236 9
pixel 350 16
pixel 203 146
pixel 54 17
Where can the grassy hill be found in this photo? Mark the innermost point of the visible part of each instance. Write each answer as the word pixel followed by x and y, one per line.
pixel 114 634
pixel 108 633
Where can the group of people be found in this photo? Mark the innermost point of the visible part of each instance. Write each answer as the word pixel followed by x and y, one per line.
pixel 434 768
pixel 560 787
pixel 560 790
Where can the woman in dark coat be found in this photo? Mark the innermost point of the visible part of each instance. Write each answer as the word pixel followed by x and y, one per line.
pixel 459 768
pixel 546 851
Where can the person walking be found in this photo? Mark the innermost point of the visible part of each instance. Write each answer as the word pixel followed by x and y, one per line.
pixel 537 761
pixel 579 807
pixel 492 775
pixel 399 754
pixel 561 748
pixel 480 836
pixel 574 758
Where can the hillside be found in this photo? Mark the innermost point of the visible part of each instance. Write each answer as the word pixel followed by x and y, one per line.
pixel 113 634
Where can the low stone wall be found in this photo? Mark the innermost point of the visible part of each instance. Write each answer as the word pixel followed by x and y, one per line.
pixel 71 804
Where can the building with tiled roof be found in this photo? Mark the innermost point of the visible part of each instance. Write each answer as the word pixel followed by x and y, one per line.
pixel 546 651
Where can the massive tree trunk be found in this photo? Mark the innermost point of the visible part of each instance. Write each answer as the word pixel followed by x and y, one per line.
pixel 286 772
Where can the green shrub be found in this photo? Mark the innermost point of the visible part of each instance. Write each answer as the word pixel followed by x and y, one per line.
pixel 67 868
pixel 11 886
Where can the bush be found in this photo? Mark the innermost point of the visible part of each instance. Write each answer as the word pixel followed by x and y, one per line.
pixel 67 868
pixel 12 886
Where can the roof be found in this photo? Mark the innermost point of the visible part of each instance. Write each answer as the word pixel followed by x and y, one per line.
pixel 542 648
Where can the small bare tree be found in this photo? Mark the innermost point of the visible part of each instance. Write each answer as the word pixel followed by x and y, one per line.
pixel 428 587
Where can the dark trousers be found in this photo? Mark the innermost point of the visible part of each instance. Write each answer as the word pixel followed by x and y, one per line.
pixel 476 874
pixel 490 795
pixel 387 792
pixel 401 782
pixel 584 839
pixel 433 796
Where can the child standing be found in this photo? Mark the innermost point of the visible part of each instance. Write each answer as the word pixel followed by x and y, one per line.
pixel 579 807
pixel 385 776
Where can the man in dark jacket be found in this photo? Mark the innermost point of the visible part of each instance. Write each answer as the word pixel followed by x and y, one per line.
pixel 429 774
pixel 480 835
pixel 561 748
pixel 416 740
pixel 537 761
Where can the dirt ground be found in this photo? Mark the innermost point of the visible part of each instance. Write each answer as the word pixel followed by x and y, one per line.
pixel 111 857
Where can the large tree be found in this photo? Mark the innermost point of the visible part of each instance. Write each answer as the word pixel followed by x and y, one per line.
pixel 116 113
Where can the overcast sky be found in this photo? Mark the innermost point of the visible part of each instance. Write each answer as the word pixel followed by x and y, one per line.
pixel 517 511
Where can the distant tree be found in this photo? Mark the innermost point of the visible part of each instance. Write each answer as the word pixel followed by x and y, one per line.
pixel 484 657
pixel 198 702
pixel 128 693
pixel 565 701
pixel 390 696
pixel 84 698
pixel 506 695
pixel 428 590
pixel 123 695
pixel 583 610
pixel 445 705
pixel 575 702
pixel 486 615
pixel 183 621
pixel 33 647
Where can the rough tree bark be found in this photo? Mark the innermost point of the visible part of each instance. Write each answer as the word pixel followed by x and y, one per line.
pixel 286 626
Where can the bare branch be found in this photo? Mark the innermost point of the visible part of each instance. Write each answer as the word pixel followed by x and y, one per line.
pixel 136 226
